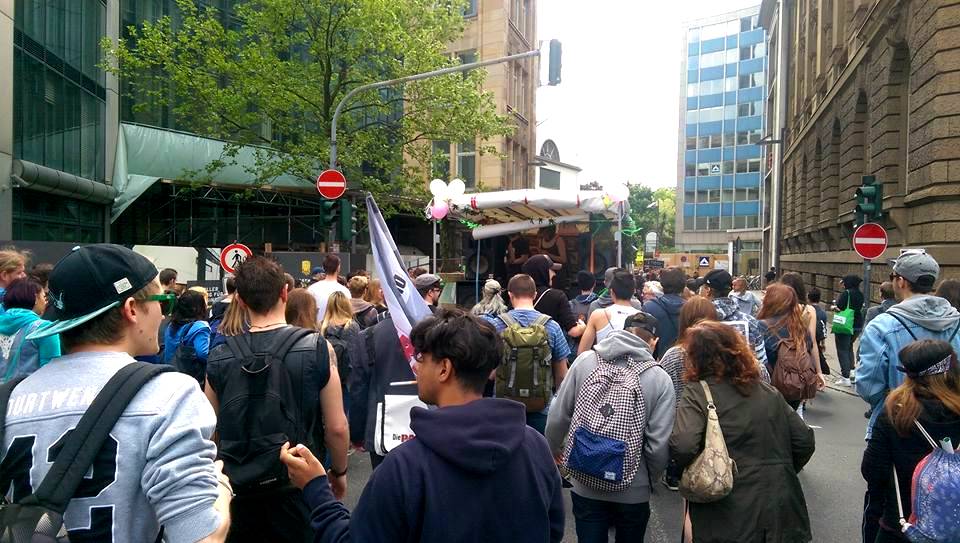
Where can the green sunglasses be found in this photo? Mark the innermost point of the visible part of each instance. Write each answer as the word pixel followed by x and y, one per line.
pixel 168 301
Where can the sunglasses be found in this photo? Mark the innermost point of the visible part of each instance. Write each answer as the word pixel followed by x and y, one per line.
pixel 168 301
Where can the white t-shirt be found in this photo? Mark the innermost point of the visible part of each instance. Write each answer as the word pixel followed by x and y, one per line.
pixel 321 291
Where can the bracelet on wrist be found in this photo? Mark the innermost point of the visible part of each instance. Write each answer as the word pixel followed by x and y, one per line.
pixel 337 473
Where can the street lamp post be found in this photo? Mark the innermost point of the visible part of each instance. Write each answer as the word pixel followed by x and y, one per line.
pixel 656 241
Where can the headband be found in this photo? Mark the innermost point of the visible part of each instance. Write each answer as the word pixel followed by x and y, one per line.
pixel 942 366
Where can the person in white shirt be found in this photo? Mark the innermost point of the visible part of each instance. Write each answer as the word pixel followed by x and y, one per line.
pixel 322 289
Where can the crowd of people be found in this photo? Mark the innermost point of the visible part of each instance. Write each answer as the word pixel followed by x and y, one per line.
pixel 250 405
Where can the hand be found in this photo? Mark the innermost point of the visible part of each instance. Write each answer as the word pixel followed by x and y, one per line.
pixel 558 459
pixel 302 465
pixel 222 505
pixel 821 382
pixel 338 485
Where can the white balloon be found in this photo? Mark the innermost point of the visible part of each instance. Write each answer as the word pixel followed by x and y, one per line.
pixel 619 192
pixel 456 188
pixel 438 189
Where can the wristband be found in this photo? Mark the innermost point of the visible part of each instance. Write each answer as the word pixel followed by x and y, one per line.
pixel 336 473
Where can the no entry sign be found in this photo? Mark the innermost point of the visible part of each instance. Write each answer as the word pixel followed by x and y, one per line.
pixel 870 240
pixel 233 255
pixel 331 184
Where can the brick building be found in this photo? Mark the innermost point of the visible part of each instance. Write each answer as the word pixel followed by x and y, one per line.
pixel 862 87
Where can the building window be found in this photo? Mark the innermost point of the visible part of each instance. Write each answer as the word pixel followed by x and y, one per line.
pixel 471 9
pixel 692 117
pixel 518 14
pixel 732 56
pixel 728 138
pixel 708 168
pixel 549 179
pixel 690 170
pixel 713 31
pixel 714 86
pixel 519 91
pixel 692 89
pixel 467 163
pixel 748 166
pixel 726 222
pixel 730 84
pixel 467 57
pixel 747 195
pixel 748 137
pixel 727 166
pixel 693 35
pixel 749 109
pixel 37 218
pixel 751 80
pixel 709 60
pixel 689 197
pixel 691 143
pixel 711 114
pixel 440 160
pixel 752 51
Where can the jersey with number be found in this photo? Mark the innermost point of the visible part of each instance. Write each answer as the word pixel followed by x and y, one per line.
pixel 155 468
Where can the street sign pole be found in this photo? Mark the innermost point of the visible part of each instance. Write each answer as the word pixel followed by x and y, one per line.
pixel 434 245
pixel 620 235
pixel 869 241
pixel 866 279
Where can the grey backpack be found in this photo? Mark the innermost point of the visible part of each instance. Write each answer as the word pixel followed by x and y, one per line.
pixel 605 440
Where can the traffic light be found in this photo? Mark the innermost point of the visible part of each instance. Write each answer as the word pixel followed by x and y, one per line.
pixel 328 213
pixel 869 200
pixel 556 52
pixel 347 226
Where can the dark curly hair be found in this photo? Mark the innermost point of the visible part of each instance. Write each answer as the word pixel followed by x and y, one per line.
pixel 715 349
pixel 473 346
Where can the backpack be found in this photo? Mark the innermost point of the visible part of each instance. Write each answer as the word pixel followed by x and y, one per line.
pixel 526 373
pixel 367 318
pixel 260 411
pixel 795 373
pixel 934 495
pixel 605 440
pixel 39 516
pixel 185 357
pixel 13 360
pixel 335 335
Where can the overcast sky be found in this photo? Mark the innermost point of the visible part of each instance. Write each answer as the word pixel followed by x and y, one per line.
pixel 616 112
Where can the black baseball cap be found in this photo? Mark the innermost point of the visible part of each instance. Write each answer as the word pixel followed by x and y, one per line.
pixel 718 279
pixel 643 320
pixel 90 281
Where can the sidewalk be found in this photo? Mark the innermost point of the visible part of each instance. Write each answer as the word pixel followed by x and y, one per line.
pixel 835 366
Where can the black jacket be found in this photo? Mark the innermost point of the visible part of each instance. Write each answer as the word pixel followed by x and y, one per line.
pixel 667 311
pixel 550 301
pixel 856 304
pixel 886 449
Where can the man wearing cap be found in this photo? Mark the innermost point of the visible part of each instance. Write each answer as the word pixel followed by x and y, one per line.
pixel 918 315
pixel 376 360
pixel 716 287
pixel 157 467
pixel 321 290
pixel 607 300
pixel 628 510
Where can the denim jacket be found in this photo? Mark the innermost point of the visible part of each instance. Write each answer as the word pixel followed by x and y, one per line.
pixel 928 317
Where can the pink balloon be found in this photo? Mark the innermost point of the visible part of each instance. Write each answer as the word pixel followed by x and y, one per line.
pixel 439 210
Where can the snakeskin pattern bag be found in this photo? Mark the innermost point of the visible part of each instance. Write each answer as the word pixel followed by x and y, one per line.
pixel 710 476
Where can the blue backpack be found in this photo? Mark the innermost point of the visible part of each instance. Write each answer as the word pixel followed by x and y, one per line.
pixel 934 495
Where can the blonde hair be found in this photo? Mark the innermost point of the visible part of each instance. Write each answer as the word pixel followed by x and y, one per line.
pixel 235 318
pixel 11 259
pixel 301 309
pixel 374 295
pixel 357 286
pixel 203 292
pixel 339 311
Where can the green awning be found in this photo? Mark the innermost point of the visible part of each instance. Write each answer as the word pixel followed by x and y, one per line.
pixel 147 154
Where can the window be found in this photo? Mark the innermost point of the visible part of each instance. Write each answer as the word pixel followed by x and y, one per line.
pixel 711 114
pixel 549 179
pixel 693 35
pixel 726 222
pixel 752 51
pixel 727 166
pixel 690 170
pixel 745 24
pixel 709 142
pixel 751 80
pixel 747 194
pixel 732 56
pixel 441 160
pixel 701 223
pixel 467 164
pixel 708 168
pixel 714 86
pixel 713 31
pixel 692 89
pixel 728 139
pixel 471 9
pixel 709 60
pixel 691 143
pixel 730 112
pixel 748 137
pixel 689 197
pixel 467 57
pixel 518 14
pixel 730 84
pixel 713 223
pixel 748 166
pixel 688 222
pixel 749 109
pixel 753 221
pixel 692 117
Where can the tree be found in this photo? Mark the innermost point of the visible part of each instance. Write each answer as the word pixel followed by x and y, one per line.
pixel 647 217
pixel 272 72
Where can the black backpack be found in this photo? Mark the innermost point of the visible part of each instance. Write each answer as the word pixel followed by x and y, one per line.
pixel 38 517
pixel 185 358
pixel 260 411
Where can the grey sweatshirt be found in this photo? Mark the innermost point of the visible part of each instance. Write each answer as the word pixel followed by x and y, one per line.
pixel 156 468
pixel 658 396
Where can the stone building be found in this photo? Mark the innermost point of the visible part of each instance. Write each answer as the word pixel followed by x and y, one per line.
pixel 863 87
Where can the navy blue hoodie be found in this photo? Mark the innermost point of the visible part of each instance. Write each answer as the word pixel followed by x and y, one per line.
pixel 474 473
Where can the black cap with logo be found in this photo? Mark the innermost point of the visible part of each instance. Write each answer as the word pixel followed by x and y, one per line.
pixel 91 280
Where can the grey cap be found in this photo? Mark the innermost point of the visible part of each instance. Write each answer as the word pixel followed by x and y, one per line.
pixel 427 280
pixel 912 265
pixel 608 276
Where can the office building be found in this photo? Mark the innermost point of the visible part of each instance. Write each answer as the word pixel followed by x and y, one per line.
pixel 721 122
pixel 867 91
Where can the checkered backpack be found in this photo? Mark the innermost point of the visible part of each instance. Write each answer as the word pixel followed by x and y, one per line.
pixel 609 421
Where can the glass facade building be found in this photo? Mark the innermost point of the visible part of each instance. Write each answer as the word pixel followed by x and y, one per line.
pixel 724 97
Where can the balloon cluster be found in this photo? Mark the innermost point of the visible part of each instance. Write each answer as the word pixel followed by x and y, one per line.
pixel 442 194
pixel 615 194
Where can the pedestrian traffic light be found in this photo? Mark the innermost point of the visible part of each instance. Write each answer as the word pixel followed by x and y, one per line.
pixel 328 213
pixel 348 220
pixel 869 200
pixel 556 52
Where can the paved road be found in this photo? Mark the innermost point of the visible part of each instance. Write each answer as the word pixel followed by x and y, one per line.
pixel 831 481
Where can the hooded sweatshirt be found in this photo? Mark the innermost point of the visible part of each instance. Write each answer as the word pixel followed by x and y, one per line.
pixel 363 312
pixel 926 317
pixel 659 398
pixel 32 354
pixel 728 310
pixel 474 473
pixel 667 311
pixel 549 301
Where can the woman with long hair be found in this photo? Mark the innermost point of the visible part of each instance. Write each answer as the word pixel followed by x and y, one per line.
pixel 769 442
pixel 374 295
pixel 949 290
pixel 302 309
pixel 188 329
pixel 808 312
pixel 492 301
pixel 235 321
pixel 781 321
pixel 929 397
pixel 339 328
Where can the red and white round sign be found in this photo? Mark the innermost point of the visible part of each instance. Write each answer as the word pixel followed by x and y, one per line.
pixel 233 255
pixel 331 184
pixel 870 240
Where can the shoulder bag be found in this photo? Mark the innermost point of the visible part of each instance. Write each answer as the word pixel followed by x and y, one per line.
pixel 710 476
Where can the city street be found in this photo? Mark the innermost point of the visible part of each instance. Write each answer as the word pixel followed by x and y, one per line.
pixel 831 481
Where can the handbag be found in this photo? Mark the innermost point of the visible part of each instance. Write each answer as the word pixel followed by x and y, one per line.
pixel 843 320
pixel 710 476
